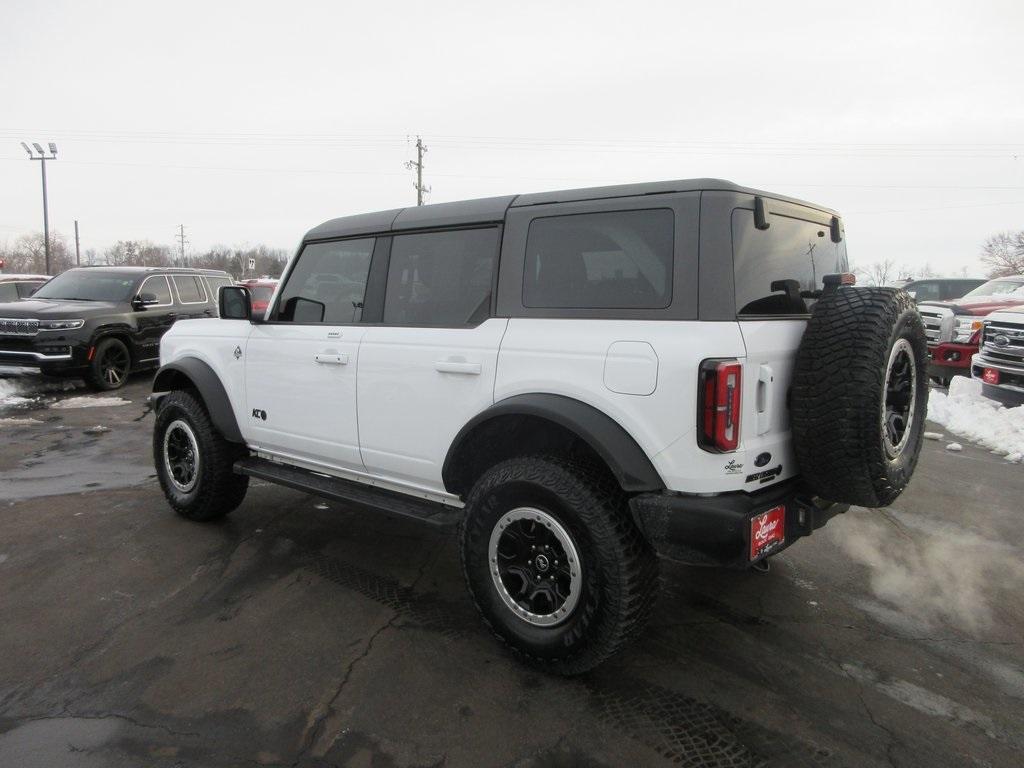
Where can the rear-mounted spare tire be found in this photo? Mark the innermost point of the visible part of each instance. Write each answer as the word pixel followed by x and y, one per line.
pixel 860 395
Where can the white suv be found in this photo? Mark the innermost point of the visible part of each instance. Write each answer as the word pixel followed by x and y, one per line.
pixel 583 379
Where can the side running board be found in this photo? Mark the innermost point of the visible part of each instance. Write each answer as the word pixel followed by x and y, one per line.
pixel 348 491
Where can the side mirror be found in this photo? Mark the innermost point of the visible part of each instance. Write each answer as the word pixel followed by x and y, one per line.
pixel 145 300
pixel 234 303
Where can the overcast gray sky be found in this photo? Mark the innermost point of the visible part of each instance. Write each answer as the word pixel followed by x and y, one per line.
pixel 251 122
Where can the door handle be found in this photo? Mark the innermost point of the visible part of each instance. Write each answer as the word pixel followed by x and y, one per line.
pixel 331 358
pixel 764 399
pixel 458 366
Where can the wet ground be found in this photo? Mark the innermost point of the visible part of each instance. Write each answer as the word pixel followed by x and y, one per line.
pixel 299 633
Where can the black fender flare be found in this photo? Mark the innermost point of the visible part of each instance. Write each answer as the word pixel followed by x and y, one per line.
pixel 211 390
pixel 619 450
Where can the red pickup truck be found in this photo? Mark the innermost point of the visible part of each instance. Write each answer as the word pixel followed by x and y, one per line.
pixel 953 327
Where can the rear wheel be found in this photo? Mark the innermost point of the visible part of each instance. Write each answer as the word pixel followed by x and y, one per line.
pixel 555 563
pixel 194 462
pixel 110 365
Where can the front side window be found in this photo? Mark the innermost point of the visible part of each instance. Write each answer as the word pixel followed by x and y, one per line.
pixel 441 278
pixel 925 291
pixel 614 260
pixel 327 283
pixel 190 290
pixel 158 287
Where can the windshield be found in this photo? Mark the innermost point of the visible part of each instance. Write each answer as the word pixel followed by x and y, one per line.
pixel 86 285
pixel 997 288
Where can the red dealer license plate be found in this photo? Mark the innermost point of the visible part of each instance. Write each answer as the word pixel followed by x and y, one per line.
pixel 767 531
pixel 990 376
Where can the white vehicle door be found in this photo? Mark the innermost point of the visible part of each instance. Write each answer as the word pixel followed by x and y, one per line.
pixel 429 366
pixel 300 371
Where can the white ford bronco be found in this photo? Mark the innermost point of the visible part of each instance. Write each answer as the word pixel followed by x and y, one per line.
pixel 583 380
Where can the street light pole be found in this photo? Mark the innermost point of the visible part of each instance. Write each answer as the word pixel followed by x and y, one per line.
pixel 46 210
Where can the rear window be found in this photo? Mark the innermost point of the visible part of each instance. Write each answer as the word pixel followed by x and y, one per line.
pixel 614 260
pixel 793 254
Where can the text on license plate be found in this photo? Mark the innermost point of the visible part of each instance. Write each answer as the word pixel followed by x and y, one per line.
pixel 767 531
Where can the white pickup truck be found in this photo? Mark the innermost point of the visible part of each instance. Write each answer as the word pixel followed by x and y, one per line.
pixel 999 362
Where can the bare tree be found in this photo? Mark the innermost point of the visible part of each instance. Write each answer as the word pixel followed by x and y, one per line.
pixel 1004 254
pixel 877 273
pixel 28 254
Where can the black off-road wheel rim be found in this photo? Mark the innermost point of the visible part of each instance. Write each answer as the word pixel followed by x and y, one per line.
pixel 181 456
pixel 113 364
pixel 535 566
pixel 900 398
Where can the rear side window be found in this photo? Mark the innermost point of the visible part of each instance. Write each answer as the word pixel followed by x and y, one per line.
pixel 327 283
pixel 441 278
pixel 614 260
pixel 190 290
pixel 216 283
pixel 780 269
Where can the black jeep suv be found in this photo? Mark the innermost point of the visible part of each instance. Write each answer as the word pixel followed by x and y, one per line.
pixel 102 323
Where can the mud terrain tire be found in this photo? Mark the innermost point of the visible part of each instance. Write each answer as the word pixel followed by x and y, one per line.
pixel 205 488
pixel 618 578
pixel 860 395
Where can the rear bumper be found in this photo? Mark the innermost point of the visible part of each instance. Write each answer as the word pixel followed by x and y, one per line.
pixel 950 359
pixel 715 530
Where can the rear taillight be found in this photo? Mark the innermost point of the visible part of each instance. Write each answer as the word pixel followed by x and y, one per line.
pixel 719 405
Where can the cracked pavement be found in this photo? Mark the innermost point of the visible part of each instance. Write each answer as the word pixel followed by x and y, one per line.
pixel 301 633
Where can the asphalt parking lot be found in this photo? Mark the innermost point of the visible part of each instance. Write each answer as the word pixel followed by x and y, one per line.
pixel 301 633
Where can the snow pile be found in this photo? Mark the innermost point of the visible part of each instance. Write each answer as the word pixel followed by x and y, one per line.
pixel 9 394
pixel 90 402
pixel 964 411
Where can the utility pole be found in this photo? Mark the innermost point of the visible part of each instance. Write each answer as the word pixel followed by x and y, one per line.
pixel 78 255
pixel 417 165
pixel 46 213
pixel 181 238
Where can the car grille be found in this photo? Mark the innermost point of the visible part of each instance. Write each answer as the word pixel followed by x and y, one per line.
pixel 1004 342
pixel 932 325
pixel 18 327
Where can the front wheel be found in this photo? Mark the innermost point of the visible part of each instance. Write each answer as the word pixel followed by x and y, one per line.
pixel 555 563
pixel 110 365
pixel 194 462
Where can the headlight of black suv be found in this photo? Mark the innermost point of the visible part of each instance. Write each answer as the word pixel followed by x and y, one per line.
pixel 60 325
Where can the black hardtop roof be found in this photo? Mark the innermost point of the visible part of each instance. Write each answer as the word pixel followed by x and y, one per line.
pixel 492 209
pixel 129 270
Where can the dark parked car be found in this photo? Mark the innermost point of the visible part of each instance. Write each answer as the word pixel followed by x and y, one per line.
pixel 939 288
pixel 102 323
pixel 14 287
